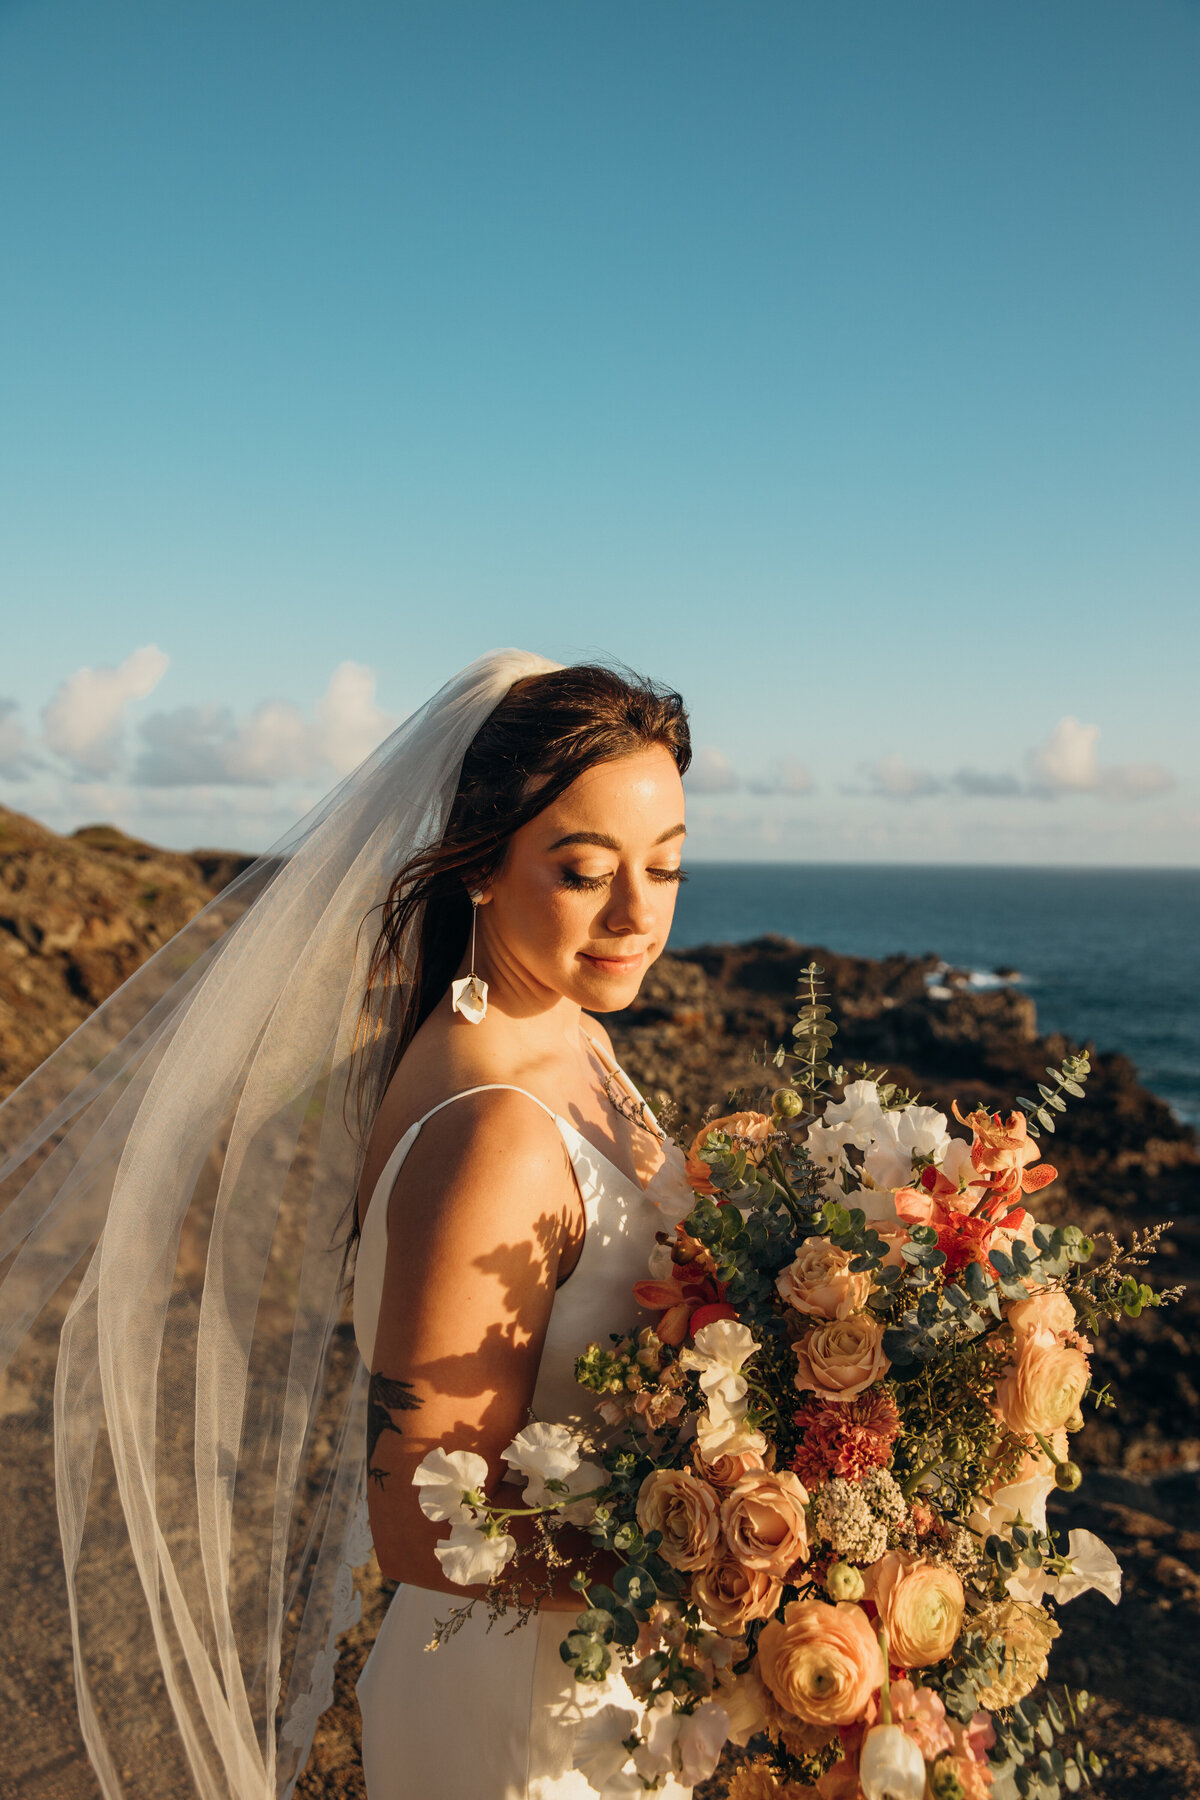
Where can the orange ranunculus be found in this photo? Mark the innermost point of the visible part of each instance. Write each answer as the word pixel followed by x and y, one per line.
pixel 1045 1386
pixel 1003 1151
pixel 822 1663
pixel 921 1603
pixel 751 1129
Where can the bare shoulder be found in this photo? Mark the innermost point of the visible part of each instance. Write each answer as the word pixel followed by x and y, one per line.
pixel 497 1153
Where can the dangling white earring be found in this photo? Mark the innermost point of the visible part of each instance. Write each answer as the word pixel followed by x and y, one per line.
pixel 469 996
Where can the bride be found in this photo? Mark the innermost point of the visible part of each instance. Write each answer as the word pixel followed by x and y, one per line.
pixel 379 1047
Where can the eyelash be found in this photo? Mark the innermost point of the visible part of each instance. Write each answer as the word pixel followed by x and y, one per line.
pixel 591 883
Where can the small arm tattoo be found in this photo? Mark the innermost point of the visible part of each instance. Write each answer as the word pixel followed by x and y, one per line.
pixel 385 1395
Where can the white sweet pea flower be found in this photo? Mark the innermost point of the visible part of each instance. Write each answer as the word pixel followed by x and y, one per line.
pixel 900 1135
pixel 669 1188
pixel 544 1452
pixel 719 1352
pixel 600 1753
pixel 826 1148
pixel 956 1165
pixel 890 1765
pixel 685 1744
pixel 726 1435
pixel 445 1478
pixel 468 1555
pixel 582 1480
pixel 1025 1500
pixel 1090 1564
pixel 858 1111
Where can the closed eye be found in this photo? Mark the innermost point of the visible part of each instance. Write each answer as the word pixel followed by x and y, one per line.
pixel 571 878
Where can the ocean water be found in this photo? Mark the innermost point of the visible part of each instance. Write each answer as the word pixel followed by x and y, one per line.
pixel 1111 956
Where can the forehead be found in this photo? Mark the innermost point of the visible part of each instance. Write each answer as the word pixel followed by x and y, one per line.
pixel 628 797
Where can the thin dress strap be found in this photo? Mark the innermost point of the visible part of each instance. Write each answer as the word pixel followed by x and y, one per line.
pixel 372 1245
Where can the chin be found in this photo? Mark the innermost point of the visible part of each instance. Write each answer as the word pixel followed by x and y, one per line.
pixel 600 991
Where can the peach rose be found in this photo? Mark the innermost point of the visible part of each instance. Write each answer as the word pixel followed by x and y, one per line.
pixel 1028 1633
pixel 751 1127
pixel 685 1511
pixel 1045 1387
pixel 820 1281
pixel 921 1603
pixel 730 1595
pixel 762 1519
pixel 1050 1308
pixel 840 1358
pixel 821 1662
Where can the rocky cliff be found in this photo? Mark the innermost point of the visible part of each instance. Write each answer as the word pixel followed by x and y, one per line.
pixel 79 913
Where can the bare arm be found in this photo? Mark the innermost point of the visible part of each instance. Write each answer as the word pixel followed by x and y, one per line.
pixel 475 1226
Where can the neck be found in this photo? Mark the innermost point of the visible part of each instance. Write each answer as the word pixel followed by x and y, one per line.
pixel 547 1020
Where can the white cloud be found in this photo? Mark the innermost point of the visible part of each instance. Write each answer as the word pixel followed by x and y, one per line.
pixel 895 779
pixel 785 775
pixel 15 759
pixel 1067 764
pixel 84 718
pixel 712 773
pixel 276 742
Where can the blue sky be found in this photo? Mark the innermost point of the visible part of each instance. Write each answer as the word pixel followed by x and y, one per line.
pixel 835 363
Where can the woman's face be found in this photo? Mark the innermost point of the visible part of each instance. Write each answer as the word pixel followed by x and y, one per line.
pixel 583 903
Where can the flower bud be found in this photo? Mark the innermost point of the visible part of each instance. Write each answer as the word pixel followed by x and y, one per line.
pixel 786 1103
pixel 957 1449
pixel 1067 1475
pixel 891 1766
pixel 844 1582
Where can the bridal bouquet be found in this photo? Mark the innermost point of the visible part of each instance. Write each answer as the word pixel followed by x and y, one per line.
pixel 821 1467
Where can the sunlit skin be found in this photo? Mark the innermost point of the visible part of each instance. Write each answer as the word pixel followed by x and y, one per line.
pixel 485 1220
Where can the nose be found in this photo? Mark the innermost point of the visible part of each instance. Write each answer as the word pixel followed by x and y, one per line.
pixel 630 910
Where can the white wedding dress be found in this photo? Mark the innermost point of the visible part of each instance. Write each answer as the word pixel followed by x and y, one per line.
pixel 489 1715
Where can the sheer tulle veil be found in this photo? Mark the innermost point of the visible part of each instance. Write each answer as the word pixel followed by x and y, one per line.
pixel 182 1415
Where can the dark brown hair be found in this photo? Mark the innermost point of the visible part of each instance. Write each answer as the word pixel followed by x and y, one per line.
pixel 540 738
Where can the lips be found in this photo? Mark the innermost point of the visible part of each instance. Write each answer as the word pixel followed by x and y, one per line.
pixel 614 965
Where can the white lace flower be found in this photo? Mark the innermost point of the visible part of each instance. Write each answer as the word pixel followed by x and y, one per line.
pixel 446 1478
pixel 859 1111
pixel 600 1753
pixel 544 1452
pixel 719 1351
pixel 468 1555
pixel 1090 1564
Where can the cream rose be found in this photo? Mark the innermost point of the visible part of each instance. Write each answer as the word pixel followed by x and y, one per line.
pixel 1044 1388
pixel 921 1603
pixel 820 1282
pixel 730 1595
pixel 1028 1633
pixel 763 1523
pixel 840 1358
pixel 685 1511
pixel 822 1663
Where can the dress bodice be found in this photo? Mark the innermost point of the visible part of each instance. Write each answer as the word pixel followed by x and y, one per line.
pixel 596 1298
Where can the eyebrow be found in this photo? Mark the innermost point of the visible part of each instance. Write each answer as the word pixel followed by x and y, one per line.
pixel 603 841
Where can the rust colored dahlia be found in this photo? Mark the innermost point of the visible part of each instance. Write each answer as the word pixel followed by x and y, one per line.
pixel 845 1437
